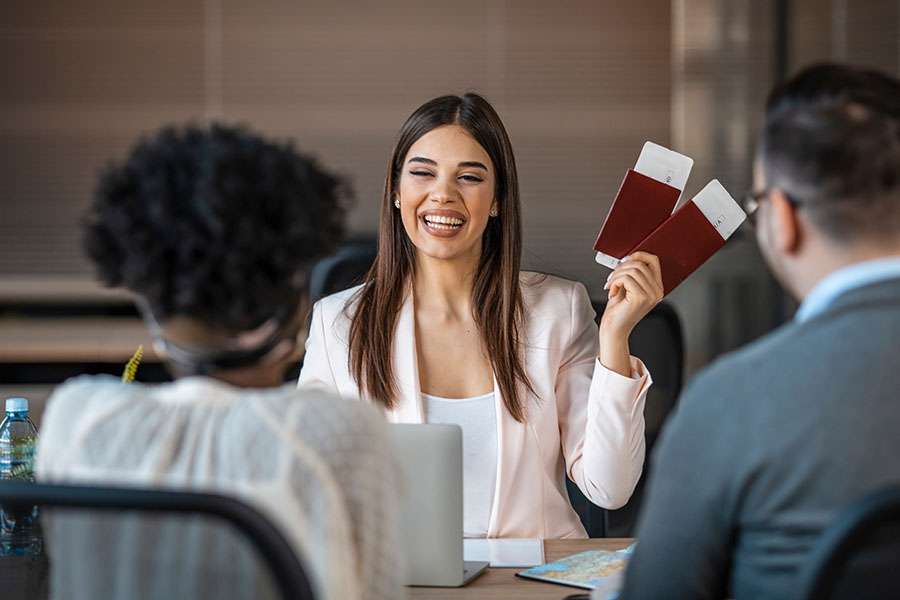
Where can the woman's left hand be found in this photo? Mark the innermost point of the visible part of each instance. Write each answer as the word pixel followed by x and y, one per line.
pixel 635 287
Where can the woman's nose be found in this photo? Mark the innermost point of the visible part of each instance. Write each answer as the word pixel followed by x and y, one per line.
pixel 442 193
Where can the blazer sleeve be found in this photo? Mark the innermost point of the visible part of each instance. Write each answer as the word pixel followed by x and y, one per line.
pixel 317 372
pixel 600 412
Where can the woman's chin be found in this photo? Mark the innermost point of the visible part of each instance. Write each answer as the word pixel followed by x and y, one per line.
pixel 446 250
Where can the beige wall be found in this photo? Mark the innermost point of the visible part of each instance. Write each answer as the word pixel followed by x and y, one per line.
pixel 580 85
pixel 724 65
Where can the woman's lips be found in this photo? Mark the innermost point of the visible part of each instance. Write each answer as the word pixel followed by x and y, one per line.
pixel 442 223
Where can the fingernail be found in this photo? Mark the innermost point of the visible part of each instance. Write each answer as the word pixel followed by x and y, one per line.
pixel 606 285
pixel 608 277
pixel 626 258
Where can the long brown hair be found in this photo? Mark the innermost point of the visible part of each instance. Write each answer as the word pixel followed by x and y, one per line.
pixel 496 296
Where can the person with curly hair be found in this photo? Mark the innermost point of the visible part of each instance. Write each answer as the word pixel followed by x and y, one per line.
pixel 214 229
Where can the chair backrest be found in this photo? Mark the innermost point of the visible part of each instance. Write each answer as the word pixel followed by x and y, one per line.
pixel 107 542
pixel 343 269
pixel 658 341
pixel 858 556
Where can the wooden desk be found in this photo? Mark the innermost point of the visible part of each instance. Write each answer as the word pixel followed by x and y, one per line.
pixel 25 577
pixel 64 289
pixel 503 584
pixel 75 339
pixel 64 338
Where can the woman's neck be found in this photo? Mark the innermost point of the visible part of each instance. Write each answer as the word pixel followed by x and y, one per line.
pixel 444 285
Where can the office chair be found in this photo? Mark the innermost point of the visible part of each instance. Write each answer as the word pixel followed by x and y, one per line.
pixel 109 542
pixel 343 269
pixel 858 556
pixel 658 341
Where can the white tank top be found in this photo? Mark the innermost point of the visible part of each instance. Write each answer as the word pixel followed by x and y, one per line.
pixel 478 419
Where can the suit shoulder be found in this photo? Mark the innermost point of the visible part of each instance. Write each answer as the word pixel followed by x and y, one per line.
pixel 760 351
pixel 341 427
pixel 71 402
pixel 73 396
pixel 555 308
pixel 540 289
pixel 741 369
pixel 335 305
pixel 339 299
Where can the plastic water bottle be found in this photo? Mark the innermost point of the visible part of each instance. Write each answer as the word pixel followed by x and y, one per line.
pixel 19 527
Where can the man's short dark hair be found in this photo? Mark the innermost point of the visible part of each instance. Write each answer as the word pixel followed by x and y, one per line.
pixel 214 223
pixel 831 142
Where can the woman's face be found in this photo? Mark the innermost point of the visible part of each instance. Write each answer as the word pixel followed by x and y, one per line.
pixel 446 192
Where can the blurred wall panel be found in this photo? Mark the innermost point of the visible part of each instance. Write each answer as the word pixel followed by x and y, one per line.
pixel 81 81
pixel 865 33
pixel 723 67
pixel 581 85
pixel 586 85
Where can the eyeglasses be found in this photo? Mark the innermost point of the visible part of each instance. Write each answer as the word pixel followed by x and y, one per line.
pixel 753 200
pixel 751 203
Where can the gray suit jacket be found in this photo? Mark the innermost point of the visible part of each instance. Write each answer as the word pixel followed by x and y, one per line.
pixel 766 446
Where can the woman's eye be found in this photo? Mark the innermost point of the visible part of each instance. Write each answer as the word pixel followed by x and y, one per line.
pixel 473 178
pixel 420 173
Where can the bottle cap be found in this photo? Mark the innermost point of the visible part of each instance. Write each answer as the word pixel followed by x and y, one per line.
pixel 16 405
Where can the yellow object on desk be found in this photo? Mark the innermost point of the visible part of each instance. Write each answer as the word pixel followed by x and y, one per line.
pixel 131 366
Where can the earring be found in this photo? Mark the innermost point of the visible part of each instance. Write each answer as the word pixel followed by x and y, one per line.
pixel 397 202
pixel 493 211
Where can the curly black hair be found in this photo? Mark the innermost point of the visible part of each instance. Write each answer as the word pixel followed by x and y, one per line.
pixel 215 223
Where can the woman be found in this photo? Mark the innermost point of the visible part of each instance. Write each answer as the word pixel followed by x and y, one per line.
pixel 213 230
pixel 446 329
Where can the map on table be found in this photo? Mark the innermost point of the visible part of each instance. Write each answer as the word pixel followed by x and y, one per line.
pixel 589 570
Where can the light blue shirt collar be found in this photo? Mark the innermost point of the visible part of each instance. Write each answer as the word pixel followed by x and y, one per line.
pixel 846 279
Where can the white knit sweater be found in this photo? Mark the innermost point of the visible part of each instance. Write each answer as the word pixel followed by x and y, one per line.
pixel 319 467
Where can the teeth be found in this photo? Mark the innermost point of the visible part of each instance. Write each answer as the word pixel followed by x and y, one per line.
pixel 443 220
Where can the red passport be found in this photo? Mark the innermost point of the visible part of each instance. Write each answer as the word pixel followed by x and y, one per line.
pixel 645 199
pixel 693 234
pixel 640 206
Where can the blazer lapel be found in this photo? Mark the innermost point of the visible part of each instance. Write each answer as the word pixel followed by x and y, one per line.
pixel 511 439
pixel 406 368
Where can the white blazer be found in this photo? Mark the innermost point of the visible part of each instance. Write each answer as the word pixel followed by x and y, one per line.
pixel 584 420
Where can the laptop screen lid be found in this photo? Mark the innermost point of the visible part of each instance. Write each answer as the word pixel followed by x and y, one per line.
pixel 431 513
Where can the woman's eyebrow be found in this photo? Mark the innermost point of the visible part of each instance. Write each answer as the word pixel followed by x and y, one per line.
pixel 465 163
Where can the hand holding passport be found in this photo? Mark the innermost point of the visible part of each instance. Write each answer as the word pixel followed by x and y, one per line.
pixel 641 217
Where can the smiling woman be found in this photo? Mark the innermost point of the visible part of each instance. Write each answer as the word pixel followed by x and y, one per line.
pixel 446 329
pixel 444 185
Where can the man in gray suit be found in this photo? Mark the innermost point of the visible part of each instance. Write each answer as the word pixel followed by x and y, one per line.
pixel 770 442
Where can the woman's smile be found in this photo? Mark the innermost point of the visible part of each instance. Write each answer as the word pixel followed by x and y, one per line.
pixel 442 223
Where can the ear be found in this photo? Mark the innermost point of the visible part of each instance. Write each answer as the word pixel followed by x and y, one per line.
pixel 786 230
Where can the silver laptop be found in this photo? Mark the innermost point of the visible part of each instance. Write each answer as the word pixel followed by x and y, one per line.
pixel 432 511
